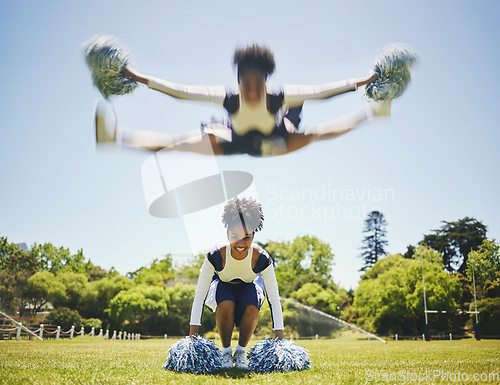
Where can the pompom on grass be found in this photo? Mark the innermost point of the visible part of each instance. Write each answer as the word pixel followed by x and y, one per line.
pixel 194 355
pixel 393 70
pixel 106 60
pixel 275 355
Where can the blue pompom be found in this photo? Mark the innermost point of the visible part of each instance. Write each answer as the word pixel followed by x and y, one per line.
pixel 278 356
pixel 194 355
pixel 106 60
pixel 393 70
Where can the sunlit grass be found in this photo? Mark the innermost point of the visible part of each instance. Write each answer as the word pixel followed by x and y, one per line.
pixel 333 362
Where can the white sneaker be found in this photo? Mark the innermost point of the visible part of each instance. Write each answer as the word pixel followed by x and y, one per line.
pixel 240 359
pixel 382 108
pixel 106 123
pixel 227 361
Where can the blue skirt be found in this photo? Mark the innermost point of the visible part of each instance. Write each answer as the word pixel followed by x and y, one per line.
pixel 241 293
pixel 251 143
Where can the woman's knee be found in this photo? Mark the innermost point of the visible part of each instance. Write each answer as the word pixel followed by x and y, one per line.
pixel 252 311
pixel 225 308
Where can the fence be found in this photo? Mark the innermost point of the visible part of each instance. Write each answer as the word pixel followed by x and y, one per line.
pixel 35 329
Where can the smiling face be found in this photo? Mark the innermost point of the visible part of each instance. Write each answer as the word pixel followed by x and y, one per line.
pixel 239 241
pixel 252 85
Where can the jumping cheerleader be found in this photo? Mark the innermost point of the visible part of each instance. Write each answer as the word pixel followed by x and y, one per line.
pixel 261 123
pixel 234 280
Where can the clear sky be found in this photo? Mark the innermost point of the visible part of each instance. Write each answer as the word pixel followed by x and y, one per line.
pixel 436 159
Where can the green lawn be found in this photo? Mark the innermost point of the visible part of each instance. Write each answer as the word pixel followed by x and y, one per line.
pixel 333 362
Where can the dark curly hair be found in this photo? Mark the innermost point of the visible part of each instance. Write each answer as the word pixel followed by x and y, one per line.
pixel 254 57
pixel 246 212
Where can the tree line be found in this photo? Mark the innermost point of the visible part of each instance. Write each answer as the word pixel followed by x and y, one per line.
pixel 157 298
pixel 456 260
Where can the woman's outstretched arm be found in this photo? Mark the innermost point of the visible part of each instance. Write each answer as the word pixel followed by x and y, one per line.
pixel 295 95
pixel 212 94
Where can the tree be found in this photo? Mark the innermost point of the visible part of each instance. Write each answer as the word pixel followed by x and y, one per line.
pixel 159 273
pixel 455 240
pixel 141 309
pixel 179 311
pixel 17 266
pixel 489 316
pixel 389 298
pixel 96 273
pixel 6 249
pixel 485 263
pixel 43 287
pixel 65 318
pixel 305 259
pixel 97 295
pixel 189 272
pixel 51 258
pixel 374 242
pixel 74 284
pixel 329 300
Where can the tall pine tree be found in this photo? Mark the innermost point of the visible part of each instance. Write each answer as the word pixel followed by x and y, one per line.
pixel 374 242
pixel 455 240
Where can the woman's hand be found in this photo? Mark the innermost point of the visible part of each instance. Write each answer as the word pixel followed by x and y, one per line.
pixel 132 74
pixel 278 334
pixel 370 79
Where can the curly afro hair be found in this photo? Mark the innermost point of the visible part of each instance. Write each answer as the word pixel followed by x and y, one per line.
pixel 243 211
pixel 254 57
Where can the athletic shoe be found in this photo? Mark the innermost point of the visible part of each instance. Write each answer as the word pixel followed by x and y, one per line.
pixel 227 361
pixel 382 108
pixel 105 123
pixel 240 358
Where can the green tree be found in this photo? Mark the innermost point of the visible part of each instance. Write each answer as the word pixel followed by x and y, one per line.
pixel 389 298
pixel 141 309
pixel 74 284
pixel 189 272
pixel 6 250
pixel 489 316
pixel 51 258
pixel 374 242
pixel 159 273
pixel 179 311
pixel 96 273
pixel 17 267
pixel 455 240
pixel 485 263
pixel 97 295
pixel 329 300
pixel 64 318
pixel 90 323
pixel 305 259
pixel 41 288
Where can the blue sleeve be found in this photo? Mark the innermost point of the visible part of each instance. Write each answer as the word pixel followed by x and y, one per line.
pixel 231 103
pixel 263 262
pixel 275 101
pixel 215 258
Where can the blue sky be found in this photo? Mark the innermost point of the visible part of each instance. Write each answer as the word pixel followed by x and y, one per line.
pixel 436 159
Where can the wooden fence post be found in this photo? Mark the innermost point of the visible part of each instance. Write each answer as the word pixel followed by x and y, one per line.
pixel 18 335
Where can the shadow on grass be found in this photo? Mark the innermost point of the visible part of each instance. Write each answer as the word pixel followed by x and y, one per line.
pixel 222 373
pixel 231 373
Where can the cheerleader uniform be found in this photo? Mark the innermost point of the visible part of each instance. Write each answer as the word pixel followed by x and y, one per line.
pixel 237 281
pixel 254 130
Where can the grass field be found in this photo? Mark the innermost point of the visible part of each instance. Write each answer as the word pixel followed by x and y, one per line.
pixel 333 362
